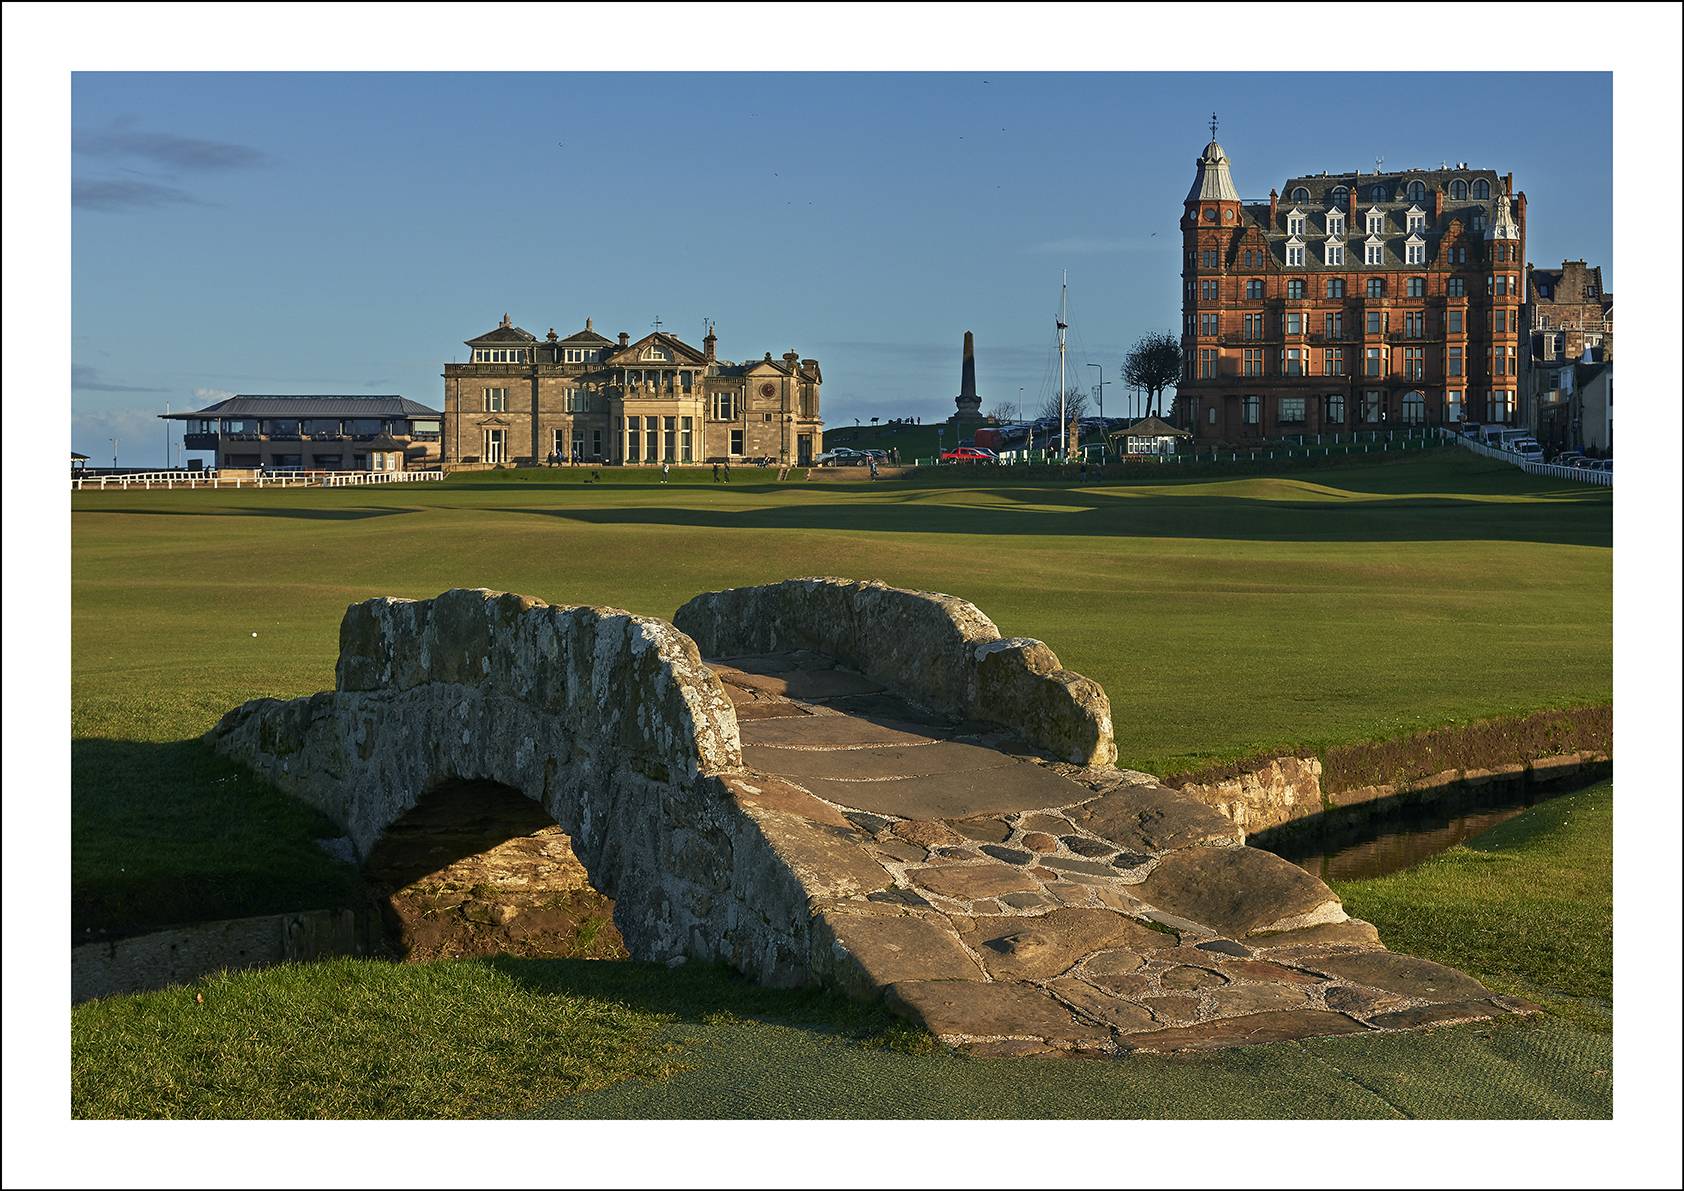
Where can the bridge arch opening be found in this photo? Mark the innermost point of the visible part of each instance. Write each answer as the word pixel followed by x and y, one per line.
pixel 476 868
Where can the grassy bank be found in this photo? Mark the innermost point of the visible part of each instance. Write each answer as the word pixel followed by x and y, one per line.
pixel 573 1038
pixel 1226 617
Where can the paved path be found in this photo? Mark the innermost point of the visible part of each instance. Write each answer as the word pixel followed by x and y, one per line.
pixel 1027 905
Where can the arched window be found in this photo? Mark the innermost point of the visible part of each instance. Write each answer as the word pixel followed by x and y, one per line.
pixel 1341 195
pixel 1377 194
pixel 1482 189
pixel 1300 195
pixel 1458 189
pixel 1414 408
pixel 1417 192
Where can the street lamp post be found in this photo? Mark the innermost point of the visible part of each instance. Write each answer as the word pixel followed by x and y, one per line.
pixel 113 454
pixel 1101 390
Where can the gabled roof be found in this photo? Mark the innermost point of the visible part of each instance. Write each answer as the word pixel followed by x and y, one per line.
pixel 1153 427
pixel 586 338
pixel 633 352
pixel 325 405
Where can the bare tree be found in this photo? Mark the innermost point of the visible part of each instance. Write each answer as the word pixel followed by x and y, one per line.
pixel 1152 365
pixel 1075 405
pixel 1005 411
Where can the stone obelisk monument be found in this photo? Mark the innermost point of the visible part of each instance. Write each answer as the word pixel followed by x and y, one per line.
pixel 968 415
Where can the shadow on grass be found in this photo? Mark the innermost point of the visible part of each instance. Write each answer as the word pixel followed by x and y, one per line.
pixel 699 993
pixel 292 513
pixel 1567 520
pixel 169 833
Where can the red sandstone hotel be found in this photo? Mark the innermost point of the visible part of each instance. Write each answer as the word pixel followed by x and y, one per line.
pixel 1349 302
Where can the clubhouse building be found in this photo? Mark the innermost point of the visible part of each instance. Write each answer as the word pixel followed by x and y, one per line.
pixel 314 433
pixel 587 398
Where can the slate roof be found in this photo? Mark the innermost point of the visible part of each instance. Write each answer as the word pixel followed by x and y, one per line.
pixel 586 338
pixel 1152 427
pixel 326 405
pixel 503 334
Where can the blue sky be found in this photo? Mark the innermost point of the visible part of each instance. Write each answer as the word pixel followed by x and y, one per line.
pixel 298 233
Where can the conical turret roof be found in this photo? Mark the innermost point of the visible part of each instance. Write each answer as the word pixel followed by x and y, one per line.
pixel 1213 180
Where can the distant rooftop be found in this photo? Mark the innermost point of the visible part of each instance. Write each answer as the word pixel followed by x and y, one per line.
pixel 315 405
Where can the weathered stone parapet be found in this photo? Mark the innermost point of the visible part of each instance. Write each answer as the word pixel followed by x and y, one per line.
pixel 937 650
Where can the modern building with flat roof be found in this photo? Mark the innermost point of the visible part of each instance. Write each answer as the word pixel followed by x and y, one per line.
pixel 328 432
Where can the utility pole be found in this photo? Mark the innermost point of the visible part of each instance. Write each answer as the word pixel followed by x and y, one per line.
pixel 1100 389
pixel 113 454
pixel 1063 326
pixel 166 436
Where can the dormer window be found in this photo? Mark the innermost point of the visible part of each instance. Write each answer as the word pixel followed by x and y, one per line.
pixel 1458 189
pixel 1295 222
pixel 1295 252
pixel 1335 223
pixel 1479 221
pixel 1335 252
pixel 1417 192
pixel 1482 189
pixel 581 355
pixel 499 355
pixel 1341 196
pixel 1415 251
pixel 1376 221
pixel 1300 195
pixel 1374 251
pixel 1416 220
pixel 1377 194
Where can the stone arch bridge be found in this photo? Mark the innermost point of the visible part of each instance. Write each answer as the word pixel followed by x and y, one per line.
pixel 840 782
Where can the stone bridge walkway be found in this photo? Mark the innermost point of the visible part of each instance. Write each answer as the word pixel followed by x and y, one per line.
pixel 1016 905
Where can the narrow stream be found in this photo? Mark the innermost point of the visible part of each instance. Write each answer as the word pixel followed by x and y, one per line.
pixel 1396 842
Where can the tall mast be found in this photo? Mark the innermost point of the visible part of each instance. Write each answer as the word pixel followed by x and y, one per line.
pixel 1063 325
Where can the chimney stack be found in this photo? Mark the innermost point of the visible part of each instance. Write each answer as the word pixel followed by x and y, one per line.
pixel 625 339
pixel 710 341
pixel 1274 200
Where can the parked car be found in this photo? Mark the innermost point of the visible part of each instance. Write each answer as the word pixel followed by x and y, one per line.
pixel 837 456
pixel 969 455
pixel 1526 448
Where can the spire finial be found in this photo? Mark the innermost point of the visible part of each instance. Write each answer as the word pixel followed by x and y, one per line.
pixel 1213 126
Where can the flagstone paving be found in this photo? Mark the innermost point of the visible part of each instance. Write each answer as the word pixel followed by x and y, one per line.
pixel 1015 904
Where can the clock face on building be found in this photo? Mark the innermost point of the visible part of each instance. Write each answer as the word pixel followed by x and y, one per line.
pixel 767 389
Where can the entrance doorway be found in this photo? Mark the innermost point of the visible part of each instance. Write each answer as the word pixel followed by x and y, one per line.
pixel 495 449
pixel 804 450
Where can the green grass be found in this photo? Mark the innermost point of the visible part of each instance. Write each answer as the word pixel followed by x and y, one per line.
pixel 1529 905
pixel 594 1039
pixel 1225 616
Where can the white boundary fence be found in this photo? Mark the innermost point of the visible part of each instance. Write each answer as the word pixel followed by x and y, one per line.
pixel 1581 475
pixel 148 480
pixel 346 479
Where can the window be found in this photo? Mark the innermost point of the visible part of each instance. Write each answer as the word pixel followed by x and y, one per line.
pixel 1335 412
pixel 1335 223
pixel 1333 362
pixel 1415 324
pixel 1414 408
pixel 1336 287
pixel 1292 410
pixel 1415 221
pixel 1377 194
pixel 1374 253
pixel 1342 195
pixel 1417 287
pixel 1294 323
pixel 725 407
pixel 633 424
pixel 1295 223
pixel 1294 254
pixel 1207 363
pixel 1458 189
pixel 736 442
pixel 651 438
pixel 1415 252
pixel 1482 189
pixel 1300 195
pixel 1373 406
pixel 1376 287
pixel 1375 322
pixel 1213 415
pixel 1335 326
pixel 1254 326
pixel 1208 291
pixel 1374 362
pixel 1335 254
pixel 1479 221
pixel 1453 361
pixel 496 401
pixel 1453 405
pixel 1253 362
pixel 655 352
pixel 1414 363
pixel 1295 288
pixel 578 401
pixel 579 355
pixel 1376 223
pixel 1254 288
pixel 1207 324
pixel 1501 406
pixel 1456 288
pixel 1417 192
pixel 1252 408
pixel 1292 362
pixel 1207 258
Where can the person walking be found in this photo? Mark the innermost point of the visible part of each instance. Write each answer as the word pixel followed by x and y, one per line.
pixel 716 473
pixel 871 461
pixel 727 471
pixel 666 469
